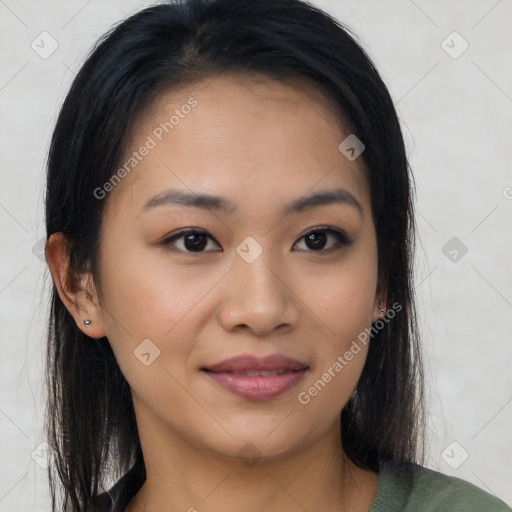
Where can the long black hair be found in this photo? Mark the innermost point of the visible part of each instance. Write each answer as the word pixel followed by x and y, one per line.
pixel 90 417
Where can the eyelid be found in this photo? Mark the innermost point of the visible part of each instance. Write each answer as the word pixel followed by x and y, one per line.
pixel 327 228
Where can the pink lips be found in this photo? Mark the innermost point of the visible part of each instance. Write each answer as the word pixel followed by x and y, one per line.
pixel 257 378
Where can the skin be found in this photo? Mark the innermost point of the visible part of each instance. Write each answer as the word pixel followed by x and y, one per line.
pixel 260 143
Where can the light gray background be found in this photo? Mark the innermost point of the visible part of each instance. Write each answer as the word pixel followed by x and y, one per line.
pixel 456 115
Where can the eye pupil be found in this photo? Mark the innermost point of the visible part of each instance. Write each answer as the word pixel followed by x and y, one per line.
pixel 317 238
pixel 198 244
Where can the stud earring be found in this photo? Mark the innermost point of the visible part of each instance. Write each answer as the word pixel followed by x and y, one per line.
pixel 381 310
pixel 87 322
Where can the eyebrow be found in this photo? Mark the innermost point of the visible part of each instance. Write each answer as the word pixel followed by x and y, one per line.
pixel 216 203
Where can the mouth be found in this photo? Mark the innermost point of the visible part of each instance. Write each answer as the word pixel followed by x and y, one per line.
pixel 249 363
pixel 257 378
pixel 257 373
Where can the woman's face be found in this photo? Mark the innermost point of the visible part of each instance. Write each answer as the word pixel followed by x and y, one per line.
pixel 254 284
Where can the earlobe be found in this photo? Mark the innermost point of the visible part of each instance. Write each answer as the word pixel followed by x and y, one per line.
pixel 74 290
pixel 379 310
pixel 379 306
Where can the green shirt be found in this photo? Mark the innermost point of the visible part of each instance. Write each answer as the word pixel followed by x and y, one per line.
pixel 418 489
pixel 414 489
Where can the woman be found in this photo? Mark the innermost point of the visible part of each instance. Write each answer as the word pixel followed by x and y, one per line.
pixel 230 235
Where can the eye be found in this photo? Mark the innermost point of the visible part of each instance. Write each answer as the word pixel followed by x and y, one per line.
pixel 194 240
pixel 316 239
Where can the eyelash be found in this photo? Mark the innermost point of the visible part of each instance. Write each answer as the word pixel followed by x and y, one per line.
pixel 341 238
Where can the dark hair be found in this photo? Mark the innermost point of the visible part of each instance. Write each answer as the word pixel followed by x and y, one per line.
pixel 90 417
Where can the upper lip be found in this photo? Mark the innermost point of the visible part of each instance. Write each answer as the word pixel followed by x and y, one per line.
pixel 249 363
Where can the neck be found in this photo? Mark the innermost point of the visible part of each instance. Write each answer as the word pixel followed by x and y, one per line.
pixel 182 477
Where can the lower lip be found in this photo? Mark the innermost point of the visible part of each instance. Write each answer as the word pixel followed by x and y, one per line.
pixel 257 387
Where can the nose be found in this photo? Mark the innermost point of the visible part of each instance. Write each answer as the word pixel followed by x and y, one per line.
pixel 258 297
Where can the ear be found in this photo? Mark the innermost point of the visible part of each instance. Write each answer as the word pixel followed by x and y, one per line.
pixel 77 292
pixel 379 306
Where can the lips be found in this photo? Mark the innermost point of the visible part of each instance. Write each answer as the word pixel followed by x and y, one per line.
pixel 248 365
pixel 256 378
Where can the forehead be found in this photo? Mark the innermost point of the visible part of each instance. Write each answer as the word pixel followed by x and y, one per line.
pixel 249 89
pixel 245 133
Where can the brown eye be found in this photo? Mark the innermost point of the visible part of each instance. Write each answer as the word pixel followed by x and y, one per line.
pixel 195 241
pixel 191 241
pixel 317 239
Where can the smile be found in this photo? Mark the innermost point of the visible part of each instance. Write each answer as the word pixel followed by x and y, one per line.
pixel 259 384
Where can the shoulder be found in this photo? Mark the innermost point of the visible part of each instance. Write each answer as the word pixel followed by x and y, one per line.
pixel 419 489
pixel 116 499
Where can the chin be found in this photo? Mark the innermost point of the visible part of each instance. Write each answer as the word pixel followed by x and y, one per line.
pixel 262 439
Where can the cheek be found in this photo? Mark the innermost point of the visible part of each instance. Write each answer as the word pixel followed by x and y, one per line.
pixel 150 295
pixel 144 300
pixel 149 327
pixel 334 379
pixel 342 298
pixel 342 303
pixel 340 355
